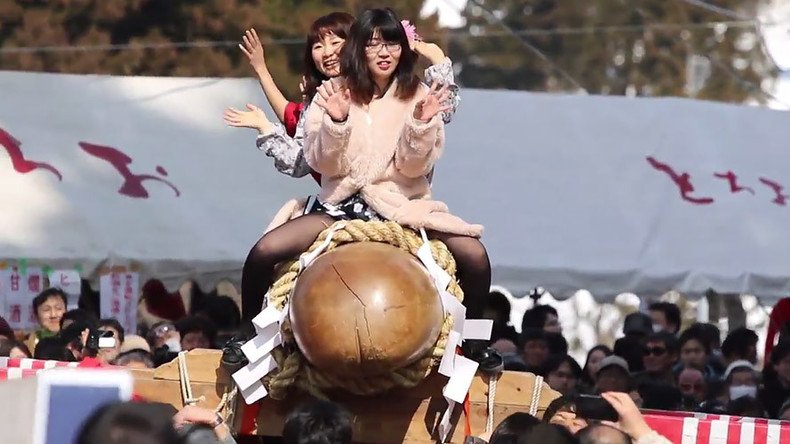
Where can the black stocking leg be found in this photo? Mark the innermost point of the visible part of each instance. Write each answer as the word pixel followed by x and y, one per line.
pixel 474 270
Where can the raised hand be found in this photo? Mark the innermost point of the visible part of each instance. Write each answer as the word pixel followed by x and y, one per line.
pixel 334 99
pixel 253 49
pixel 433 104
pixel 430 51
pixel 631 422
pixel 252 118
pixel 303 88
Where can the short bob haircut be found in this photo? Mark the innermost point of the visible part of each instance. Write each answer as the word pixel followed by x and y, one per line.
pixel 354 63
pixel 42 297
pixel 337 23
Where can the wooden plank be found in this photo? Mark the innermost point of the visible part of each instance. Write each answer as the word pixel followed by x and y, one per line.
pixel 169 392
pixel 204 366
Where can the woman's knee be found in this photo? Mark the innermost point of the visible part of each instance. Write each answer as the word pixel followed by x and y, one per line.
pixel 469 252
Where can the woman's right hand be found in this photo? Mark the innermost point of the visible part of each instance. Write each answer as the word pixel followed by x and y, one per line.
pixel 253 118
pixel 334 99
pixel 253 49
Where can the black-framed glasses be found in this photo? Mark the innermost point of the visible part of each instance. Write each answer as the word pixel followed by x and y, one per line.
pixel 374 47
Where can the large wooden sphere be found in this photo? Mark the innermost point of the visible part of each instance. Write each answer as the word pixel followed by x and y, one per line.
pixel 365 309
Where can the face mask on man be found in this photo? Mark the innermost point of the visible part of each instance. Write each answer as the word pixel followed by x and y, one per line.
pixel 739 391
pixel 173 344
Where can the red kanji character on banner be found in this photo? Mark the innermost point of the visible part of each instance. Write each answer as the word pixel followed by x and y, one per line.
pixel 34 283
pixel 115 283
pixel 781 198
pixel 15 281
pixel 116 307
pixel 21 165
pixel 133 183
pixel 732 179
pixel 127 289
pixel 683 182
pixel 16 313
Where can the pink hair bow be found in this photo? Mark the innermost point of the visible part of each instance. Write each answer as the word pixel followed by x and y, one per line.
pixel 411 30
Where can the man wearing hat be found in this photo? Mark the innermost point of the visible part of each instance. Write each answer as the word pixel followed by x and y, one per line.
pixel 613 375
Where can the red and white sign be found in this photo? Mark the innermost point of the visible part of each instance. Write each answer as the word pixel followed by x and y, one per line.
pixel 691 428
pixel 119 293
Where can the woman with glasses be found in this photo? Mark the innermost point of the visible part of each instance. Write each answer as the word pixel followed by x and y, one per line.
pixel 374 135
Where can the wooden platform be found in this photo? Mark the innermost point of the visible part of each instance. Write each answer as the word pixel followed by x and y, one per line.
pixel 406 416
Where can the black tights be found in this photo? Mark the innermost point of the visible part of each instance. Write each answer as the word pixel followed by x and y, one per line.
pixel 294 237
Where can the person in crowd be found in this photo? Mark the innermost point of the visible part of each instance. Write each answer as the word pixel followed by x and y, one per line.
pixel 632 349
pixel 134 342
pixel 196 332
pixel 534 349
pixel 543 317
pixel 547 434
pixel 137 358
pixel 497 308
pixel 14 349
pixel 665 317
pixel 224 313
pixel 6 332
pixel 613 376
pixel 631 421
pixel 637 325
pixel 712 335
pixel 695 351
pixel 562 373
pixel 49 306
pixel 693 387
pixel 740 345
pixel 558 345
pixel 740 379
pixel 316 423
pixel 746 406
pixel 661 353
pixel 165 342
pixel 515 425
pixel 194 420
pixel 659 395
pixel 130 422
pixel 592 364
pixel 784 411
pixel 113 327
pixel 597 433
pixel 777 391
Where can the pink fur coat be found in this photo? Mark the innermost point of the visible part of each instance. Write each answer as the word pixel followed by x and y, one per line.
pixel 383 153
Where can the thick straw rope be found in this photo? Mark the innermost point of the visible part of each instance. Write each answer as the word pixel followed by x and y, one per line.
pixel 295 371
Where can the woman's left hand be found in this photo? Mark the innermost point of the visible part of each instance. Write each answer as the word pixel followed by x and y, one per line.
pixel 432 104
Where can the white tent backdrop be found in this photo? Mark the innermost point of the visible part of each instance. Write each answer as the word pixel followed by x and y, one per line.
pixel 563 185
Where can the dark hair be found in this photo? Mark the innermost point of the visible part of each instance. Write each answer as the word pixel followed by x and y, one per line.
pixel 321 422
pixel 53 349
pixel 46 294
pixel 536 316
pixel 671 312
pixel 590 434
pixel 547 434
pixel 353 57
pixel 554 363
pixel 6 345
pixel 130 423
pixel 669 340
pixel 659 395
pixel 710 333
pixel 337 23
pixel 222 311
pixel 515 425
pixel 499 303
pixel 114 324
pixel 532 334
pixel 738 342
pixel 632 349
pixel 746 406
pixel 80 316
pixel 557 343
pixel 561 404
pixel 200 324
pixel 586 378
pixel 781 351
pixel 135 355
pixel 695 333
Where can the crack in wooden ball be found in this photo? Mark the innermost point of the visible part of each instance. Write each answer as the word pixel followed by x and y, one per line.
pixel 365 309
